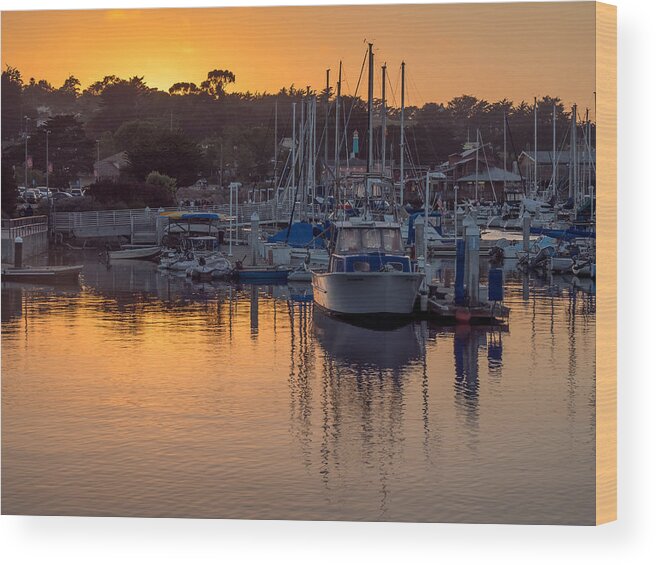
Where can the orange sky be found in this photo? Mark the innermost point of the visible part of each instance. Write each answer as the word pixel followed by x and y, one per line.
pixel 493 51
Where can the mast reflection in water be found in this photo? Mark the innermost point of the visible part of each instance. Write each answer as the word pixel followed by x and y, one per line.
pixel 146 395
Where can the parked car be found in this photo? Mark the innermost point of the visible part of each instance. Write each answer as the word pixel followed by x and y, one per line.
pixel 44 192
pixel 32 196
pixel 76 192
pixel 61 195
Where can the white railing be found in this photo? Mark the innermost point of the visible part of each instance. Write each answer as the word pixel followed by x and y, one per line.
pixel 22 227
pixel 140 219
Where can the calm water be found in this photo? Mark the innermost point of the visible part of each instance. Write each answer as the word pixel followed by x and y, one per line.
pixel 143 395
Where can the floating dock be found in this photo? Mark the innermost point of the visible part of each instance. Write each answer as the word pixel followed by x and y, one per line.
pixel 46 274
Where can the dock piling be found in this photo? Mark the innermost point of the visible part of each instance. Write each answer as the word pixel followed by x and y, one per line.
pixel 472 247
pixel 255 236
pixel 526 231
pixel 18 252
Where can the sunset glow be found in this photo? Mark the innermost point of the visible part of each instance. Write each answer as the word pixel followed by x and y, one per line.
pixel 493 51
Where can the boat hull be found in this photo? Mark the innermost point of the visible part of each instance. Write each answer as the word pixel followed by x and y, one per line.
pixel 382 293
pixel 262 275
pixel 137 254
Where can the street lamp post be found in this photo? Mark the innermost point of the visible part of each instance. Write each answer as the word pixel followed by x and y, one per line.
pixel 26 137
pixel 231 219
pixel 97 160
pixel 47 160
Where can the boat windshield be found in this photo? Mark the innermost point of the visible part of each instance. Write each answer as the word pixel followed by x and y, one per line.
pixel 369 240
pixel 202 244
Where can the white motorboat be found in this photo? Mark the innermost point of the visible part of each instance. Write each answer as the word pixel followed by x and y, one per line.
pixel 368 272
pixel 214 267
pixel 514 249
pixel 195 252
pixel 558 264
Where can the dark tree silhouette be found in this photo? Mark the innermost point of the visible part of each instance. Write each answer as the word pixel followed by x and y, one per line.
pixel 216 82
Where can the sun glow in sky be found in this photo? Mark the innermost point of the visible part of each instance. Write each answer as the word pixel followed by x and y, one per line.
pixel 493 51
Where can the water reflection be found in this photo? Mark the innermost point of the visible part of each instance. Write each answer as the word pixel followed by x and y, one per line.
pixel 326 419
pixel 363 349
pixel 362 397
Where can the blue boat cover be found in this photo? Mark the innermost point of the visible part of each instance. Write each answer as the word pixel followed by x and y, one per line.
pixel 200 216
pixel 569 233
pixel 411 224
pixel 301 234
pixel 495 285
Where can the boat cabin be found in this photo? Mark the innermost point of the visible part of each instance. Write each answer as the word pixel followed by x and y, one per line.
pixel 202 244
pixel 368 247
pixel 181 224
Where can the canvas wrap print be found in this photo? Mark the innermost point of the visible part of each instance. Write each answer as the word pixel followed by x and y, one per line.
pixel 310 263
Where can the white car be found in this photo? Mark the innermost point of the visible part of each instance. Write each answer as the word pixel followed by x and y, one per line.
pixel 76 192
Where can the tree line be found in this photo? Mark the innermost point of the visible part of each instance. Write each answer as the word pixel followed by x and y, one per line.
pixel 194 131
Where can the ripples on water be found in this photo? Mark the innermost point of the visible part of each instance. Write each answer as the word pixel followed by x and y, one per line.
pixel 138 394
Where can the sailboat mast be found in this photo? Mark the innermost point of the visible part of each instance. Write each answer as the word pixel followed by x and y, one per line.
pixel 325 142
pixel 337 103
pixel 293 146
pixel 370 111
pixel 553 152
pixel 588 176
pixel 505 169
pixel 275 148
pixel 572 152
pixel 535 144
pixel 594 190
pixel 476 178
pixel 383 124
pixel 313 159
pixel 402 141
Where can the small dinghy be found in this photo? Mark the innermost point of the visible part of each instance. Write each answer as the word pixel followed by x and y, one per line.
pixel 214 267
pixel 260 274
pixel 137 253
